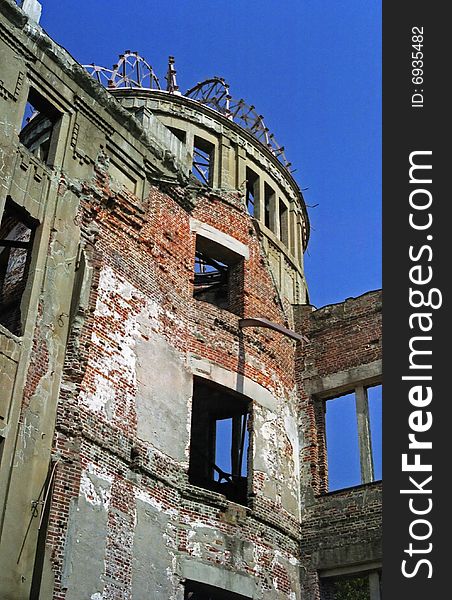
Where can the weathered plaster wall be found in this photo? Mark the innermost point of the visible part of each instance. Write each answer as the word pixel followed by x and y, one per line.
pixel 146 335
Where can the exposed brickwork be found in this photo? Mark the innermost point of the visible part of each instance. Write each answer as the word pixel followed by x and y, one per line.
pixel 341 528
pixel 142 265
pixel 114 337
pixel 342 335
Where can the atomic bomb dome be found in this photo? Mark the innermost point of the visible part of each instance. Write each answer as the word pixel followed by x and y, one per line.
pixel 165 379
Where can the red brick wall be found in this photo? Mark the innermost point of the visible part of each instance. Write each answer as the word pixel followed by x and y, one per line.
pixel 150 250
pixel 341 528
pixel 341 337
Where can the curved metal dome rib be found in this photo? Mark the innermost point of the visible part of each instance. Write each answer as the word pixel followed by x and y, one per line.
pixel 132 71
pixel 101 74
pixel 214 93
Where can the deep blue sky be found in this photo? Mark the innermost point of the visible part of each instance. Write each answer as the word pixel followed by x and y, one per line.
pixel 343 449
pixel 311 67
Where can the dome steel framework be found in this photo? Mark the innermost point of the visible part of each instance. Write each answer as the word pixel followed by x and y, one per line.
pixel 134 72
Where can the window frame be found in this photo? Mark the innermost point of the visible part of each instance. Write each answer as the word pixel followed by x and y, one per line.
pixel 196 590
pixel 22 216
pixel 252 191
pixel 45 110
pixel 225 404
pixel 372 573
pixel 226 275
pixel 203 150
pixel 364 437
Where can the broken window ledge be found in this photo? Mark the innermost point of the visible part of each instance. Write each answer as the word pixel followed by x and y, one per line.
pixel 7 333
pixel 35 159
pixel 206 496
pixel 216 310
pixel 376 483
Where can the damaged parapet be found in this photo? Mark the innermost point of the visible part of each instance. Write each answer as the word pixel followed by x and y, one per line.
pixel 133 71
pixel 32 8
pixel 229 148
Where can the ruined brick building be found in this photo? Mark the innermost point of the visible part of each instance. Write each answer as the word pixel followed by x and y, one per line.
pixel 164 377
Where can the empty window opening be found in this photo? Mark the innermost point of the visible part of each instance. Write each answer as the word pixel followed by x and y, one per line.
pixel 201 591
pixel 269 208
pixel 252 185
pixel 211 280
pixel 342 443
pixel 283 223
pixel 219 440
pixel 203 160
pixel 356 588
pixel 218 276
pixel 353 437
pixel 300 240
pixel 374 395
pixel 231 441
pixel 179 133
pixel 38 125
pixel 366 586
pixel 16 241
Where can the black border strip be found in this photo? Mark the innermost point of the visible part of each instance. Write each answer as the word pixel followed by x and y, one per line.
pixel 413 124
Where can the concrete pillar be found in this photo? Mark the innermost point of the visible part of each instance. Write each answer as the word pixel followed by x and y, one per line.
pixel 259 208
pixel 299 239
pixel 365 445
pixel 374 586
pixel 241 169
pixel 274 210
pixel 293 243
pixel 225 175
pixel 189 144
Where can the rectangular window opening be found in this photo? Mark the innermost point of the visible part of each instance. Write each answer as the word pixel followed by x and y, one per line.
pixel 353 437
pixel 219 441
pixel 179 133
pixel 218 276
pixel 351 587
pixel 17 230
pixel 283 223
pixel 300 239
pixel 252 183
pixel 269 201
pixel 342 443
pixel 2 445
pixel 201 591
pixel 374 395
pixel 38 125
pixel 203 160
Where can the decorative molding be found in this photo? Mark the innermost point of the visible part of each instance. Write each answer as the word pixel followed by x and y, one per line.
pixel 16 44
pixel 93 116
pixel 6 94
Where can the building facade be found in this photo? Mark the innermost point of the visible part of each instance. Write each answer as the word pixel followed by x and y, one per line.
pixel 164 377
